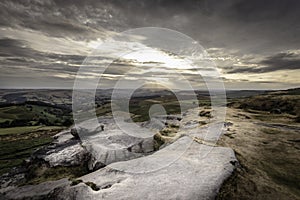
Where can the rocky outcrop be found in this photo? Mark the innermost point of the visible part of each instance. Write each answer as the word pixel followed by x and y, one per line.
pixel 106 143
pixel 197 174
pixel 65 151
pixel 114 146
pixel 127 167
pixel 69 156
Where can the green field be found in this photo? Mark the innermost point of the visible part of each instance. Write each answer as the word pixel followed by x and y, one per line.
pixel 32 115
pixel 26 129
pixel 18 143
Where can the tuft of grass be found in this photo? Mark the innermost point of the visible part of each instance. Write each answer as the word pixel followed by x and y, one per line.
pixel 75 182
pixel 205 113
pixel 158 141
pixel 39 174
pixel 174 126
pixel 202 123
pixel 167 132
pixel 93 186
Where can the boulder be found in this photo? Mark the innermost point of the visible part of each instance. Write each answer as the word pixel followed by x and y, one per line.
pixel 66 150
pixel 74 133
pixel 69 156
pixel 114 146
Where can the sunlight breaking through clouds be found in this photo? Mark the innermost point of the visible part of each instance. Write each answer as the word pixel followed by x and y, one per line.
pixel 52 39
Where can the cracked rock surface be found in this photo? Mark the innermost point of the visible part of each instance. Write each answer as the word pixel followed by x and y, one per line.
pixel 197 174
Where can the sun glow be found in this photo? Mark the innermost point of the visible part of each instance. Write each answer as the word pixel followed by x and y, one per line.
pixel 159 59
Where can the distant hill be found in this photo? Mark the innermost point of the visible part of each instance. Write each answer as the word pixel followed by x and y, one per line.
pixel 283 101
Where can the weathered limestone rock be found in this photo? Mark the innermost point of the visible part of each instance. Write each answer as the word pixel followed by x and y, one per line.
pixel 197 174
pixel 65 151
pixel 69 156
pixel 130 169
pixel 114 146
pixel 101 146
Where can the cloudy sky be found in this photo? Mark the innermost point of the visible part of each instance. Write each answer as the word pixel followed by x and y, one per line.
pixel 254 44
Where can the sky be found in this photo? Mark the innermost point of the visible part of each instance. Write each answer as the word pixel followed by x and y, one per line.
pixel 253 44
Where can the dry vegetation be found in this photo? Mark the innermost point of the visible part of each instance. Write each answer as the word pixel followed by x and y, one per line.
pixel 265 137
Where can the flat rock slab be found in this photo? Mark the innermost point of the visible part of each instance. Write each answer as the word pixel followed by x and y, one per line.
pixel 197 174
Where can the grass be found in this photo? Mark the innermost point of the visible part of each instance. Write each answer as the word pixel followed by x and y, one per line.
pixel 13 153
pixel 165 135
pixel 284 172
pixel 26 129
pixel 39 174
pixel 279 166
pixel 75 182
pixel 28 114
pixel 18 130
pixel 278 118
pixel 272 158
pixel 93 186
pixel 288 104
pixel 27 132
pixel 18 143
pixel 140 109
pixel 158 141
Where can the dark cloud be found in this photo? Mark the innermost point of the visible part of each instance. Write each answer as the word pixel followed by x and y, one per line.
pixel 10 43
pixel 250 26
pixel 263 10
pixel 280 61
pixel 19 50
pixel 236 24
pixel 12 47
pixel 81 20
pixel 257 27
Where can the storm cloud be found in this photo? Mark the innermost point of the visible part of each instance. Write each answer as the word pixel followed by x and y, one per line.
pixel 44 40
pixel 280 61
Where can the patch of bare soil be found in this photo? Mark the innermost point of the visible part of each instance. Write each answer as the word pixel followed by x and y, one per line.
pixel 269 157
